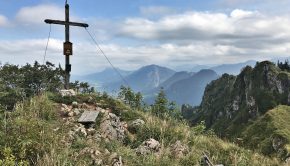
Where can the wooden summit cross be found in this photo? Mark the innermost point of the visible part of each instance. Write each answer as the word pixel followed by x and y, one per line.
pixel 67 46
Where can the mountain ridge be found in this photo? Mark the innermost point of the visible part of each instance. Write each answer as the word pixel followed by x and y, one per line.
pixel 231 102
pixel 145 78
pixel 190 90
pixel 104 76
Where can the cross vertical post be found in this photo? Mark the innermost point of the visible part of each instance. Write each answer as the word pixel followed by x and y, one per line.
pixel 67 47
pixel 67 63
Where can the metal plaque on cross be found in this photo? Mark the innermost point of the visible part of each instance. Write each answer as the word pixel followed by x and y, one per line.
pixel 67 48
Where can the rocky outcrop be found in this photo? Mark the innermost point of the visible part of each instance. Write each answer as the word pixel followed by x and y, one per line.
pixel 69 92
pixel 111 127
pixel 135 125
pixel 278 144
pixel 231 102
pixel 80 130
pixel 74 104
pixel 148 146
pixel 97 156
pixel 115 160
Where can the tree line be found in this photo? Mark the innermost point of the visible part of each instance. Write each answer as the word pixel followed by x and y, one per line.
pixel 20 82
pixel 285 66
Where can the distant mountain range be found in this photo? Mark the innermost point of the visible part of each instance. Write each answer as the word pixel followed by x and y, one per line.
pixel 144 79
pixel 190 90
pixel 175 78
pixel 184 87
pixel 102 78
pixel 233 69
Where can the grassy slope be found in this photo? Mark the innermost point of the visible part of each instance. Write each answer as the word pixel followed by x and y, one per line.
pixel 38 142
pixel 275 123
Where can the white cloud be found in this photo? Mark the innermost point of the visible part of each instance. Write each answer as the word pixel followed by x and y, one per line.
pixel 176 27
pixel 29 50
pixel 240 28
pixel 182 26
pixel 37 14
pixel 172 40
pixel 3 21
pixel 87 58
pixel 238 13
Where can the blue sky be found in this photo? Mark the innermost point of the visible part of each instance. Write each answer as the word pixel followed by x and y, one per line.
pixel 134 33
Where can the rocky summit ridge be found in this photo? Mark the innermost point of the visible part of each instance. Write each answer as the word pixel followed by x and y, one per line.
pixel 233 106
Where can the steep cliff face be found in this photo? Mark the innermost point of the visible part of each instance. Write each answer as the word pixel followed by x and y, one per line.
pixel 232 102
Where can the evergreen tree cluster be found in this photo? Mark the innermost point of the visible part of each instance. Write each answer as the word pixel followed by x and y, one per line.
pixel 82 87
pixel 284 66
pixel 163 107
pixel 135 100
pixel 19 82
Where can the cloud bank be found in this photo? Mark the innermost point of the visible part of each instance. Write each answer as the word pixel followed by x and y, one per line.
pixel 172 39
pixel 236 29
pixel 37 14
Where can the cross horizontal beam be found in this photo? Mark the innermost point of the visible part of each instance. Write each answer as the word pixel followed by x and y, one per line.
pixel 48 21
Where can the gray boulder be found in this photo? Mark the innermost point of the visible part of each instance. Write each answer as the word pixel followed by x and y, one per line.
pixel 69 92
pixel 64 109
pixel 148 146
pixel 278 143
pixel 74 104
pixel 117 162
pixel 135 125
pixel 76 111
pixel 111 127
pixel 70 114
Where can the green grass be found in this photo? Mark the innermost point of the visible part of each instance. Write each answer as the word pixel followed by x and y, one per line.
pixel 32 138
pixel 275 123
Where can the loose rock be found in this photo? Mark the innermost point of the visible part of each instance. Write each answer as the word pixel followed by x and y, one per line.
pixel 135 125
pixel 69 92
pixel 75 104
pixel 98 162
pixel 91 131
pixel 76 111
pixel 70 114
pixel 90 100
pixel 117 162
pixel 149 146
pixel 84 106
pixel 278 143
pixel 112 128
